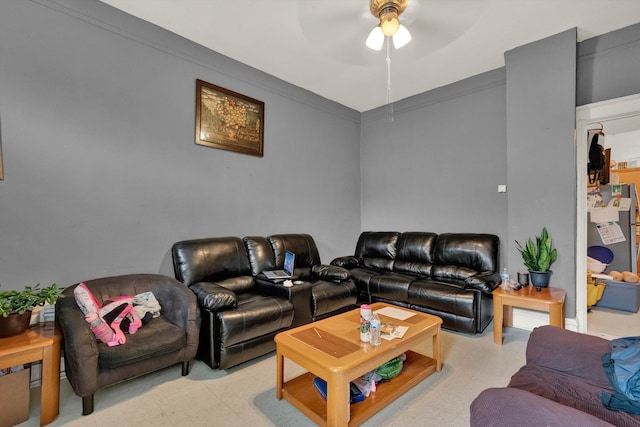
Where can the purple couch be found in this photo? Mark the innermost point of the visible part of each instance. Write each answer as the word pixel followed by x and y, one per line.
pixel 559 386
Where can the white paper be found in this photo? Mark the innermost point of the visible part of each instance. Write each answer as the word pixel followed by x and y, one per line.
pixel 604 215
pixel 610 232
pixel 397 332
pixel 624 204
pixel 396 313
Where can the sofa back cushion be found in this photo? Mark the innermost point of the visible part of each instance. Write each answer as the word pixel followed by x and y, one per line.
pixel 302 245
pixel 461 255
pixel 216 259
pixel 260 254
pixel 377 249
pixel 414 253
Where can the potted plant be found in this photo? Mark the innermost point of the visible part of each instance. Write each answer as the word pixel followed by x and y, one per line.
pixel 538 257
pixel 16 307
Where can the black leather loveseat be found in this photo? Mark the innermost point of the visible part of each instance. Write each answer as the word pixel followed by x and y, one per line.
pixel 449 275
pixel 241 309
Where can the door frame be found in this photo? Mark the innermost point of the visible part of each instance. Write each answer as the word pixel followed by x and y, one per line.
pixel 587 117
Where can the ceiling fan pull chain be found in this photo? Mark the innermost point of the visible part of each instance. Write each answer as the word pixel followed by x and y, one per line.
pixel 389 117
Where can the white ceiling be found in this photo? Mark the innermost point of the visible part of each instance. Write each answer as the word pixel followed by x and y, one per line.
pixel 319 44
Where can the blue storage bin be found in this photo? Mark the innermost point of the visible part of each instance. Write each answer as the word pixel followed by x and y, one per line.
pixel 620 296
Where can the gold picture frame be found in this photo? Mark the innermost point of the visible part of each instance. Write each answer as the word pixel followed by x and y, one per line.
pixel 228 120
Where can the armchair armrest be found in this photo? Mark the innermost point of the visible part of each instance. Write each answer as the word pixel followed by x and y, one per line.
pixel 347 262
pixel 179 305
pixel 333 273
pixel 213 296
pixel 485 281
pixel 80 345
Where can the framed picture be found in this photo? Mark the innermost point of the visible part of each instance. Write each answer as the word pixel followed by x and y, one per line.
pixel 228 120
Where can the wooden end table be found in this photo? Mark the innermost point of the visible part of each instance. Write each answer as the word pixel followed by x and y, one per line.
pixel 41 342
pixel 331 349
pixel 550 300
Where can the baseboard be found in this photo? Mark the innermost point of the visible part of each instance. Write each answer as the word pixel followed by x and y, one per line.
pixel 529 319
pixel 36 373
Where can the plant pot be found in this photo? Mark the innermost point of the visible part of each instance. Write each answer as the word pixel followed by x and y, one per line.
pixel 540 279
pixel 14 324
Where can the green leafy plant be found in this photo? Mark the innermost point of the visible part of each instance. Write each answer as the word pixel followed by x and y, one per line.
pixel 538 256
pixel 28 298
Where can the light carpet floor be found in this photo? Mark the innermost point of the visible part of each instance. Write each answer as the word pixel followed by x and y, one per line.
pixel 608 323
pixel 245 395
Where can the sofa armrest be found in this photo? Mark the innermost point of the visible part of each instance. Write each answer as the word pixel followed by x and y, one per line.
pixel 485 281
pixel 507 407
pixel 214 297
pixel 330 272
pixel 347 262
pixel 573 353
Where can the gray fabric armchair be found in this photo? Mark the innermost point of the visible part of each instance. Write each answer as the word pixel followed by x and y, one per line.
pixel 166 340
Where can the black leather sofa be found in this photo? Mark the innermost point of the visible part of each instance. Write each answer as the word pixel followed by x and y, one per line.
pixel 449 275
pixel 241 309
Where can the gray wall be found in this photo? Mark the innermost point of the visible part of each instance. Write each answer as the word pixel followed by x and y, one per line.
pixel 541 88
pixel 102 173
pixel 608 66
pixel 438 165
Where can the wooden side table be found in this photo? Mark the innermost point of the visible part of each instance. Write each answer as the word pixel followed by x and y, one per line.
pixel 550 300
pixel 42 342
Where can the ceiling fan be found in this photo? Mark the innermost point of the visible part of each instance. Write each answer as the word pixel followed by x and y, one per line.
pixel 339 28
pixel 389 14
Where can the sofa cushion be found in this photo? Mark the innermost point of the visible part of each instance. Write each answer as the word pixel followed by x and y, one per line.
pixel 377 249
pixel 256 315
pixel 570 352
pixel 302 245
pixel 156 338
pixel 391 286
pixel 260 254
pixel 210 260
pixel 414 253
pixel 443 297
pixel 461 255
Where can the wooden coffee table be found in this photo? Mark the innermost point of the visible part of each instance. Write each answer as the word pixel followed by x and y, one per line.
pixel 331 349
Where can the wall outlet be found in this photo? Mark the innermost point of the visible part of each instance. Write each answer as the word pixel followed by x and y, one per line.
pixel 502 188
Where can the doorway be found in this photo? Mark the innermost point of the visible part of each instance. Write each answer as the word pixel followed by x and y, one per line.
pixel 621 115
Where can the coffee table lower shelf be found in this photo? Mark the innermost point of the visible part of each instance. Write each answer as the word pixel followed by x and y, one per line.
pixel 302 394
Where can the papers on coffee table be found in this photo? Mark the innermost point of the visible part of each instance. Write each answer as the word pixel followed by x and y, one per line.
pixel 396 313
pixel 389 332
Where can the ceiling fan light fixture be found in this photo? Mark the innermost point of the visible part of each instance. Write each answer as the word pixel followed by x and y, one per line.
pixel 388 12
pixel 401 37
pixel 375 40
pixel 389 21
